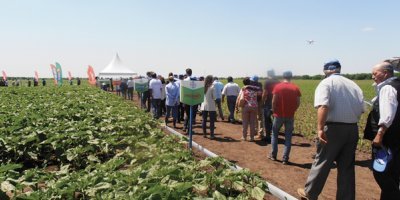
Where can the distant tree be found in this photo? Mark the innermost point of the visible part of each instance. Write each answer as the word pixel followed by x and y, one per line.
pixel 305 77
pixel 317 77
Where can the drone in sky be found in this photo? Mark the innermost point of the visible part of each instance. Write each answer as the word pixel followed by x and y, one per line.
pixel 310 42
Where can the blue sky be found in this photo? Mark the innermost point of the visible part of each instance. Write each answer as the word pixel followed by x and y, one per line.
pixel 218 37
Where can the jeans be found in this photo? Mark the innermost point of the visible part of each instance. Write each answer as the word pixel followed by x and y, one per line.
pixel 156 107
pixel 146 98
pixel 187 111
pixel 130 93
pixel 268 120
pixel 289 126
pixel 231 101
pixel 212 121
pixel 218 104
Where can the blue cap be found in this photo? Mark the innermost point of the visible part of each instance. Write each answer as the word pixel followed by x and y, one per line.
pixel 332 65
pixel 254 78
pixel 287 74
pixel 382 157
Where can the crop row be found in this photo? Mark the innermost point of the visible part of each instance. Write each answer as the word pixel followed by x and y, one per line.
pixel 83 143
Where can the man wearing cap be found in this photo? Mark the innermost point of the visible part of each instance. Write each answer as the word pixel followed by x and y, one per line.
pixel 285 101
pixel 384 126
pixel 339 103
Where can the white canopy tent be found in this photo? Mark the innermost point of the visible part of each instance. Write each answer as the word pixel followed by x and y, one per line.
pixel 116 70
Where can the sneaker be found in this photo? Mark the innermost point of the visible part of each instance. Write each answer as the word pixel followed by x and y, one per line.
pixel 285 162
pixel 243 138
pixel 272 158
pixel 302 193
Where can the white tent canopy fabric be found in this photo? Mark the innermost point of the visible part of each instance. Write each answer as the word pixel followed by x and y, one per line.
pixel 116 70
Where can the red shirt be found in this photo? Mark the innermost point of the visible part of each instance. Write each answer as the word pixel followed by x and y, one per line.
pixel 286 95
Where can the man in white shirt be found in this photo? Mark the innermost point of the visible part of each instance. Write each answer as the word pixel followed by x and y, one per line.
pixel 187 107
pixel 155 87
pixel 339 103
pixel 218 92
pixel 131 84
pixel 383 127
pixel 231 91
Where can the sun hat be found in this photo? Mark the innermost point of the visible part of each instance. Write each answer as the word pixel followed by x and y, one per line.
pixel 254 78
pixel 332 65
pixel 382 158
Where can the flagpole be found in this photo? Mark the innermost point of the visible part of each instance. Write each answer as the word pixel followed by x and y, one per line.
pixel 190 128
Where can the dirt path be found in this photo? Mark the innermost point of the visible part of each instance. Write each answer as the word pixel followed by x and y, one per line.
pixel 253 155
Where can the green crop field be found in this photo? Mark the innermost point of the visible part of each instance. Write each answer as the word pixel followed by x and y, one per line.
pixel 75 142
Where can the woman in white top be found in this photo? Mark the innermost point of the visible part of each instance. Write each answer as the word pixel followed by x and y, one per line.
pixel 208 106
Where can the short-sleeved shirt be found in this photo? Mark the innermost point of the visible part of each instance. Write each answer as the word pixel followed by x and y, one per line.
pixel 131 84
pixel 286 95
pixel 172 94
pixel 343 97
pixel 231 89
pixel 156 87
pixel 218 86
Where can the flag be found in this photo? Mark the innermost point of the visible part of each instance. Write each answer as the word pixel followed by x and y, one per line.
pixel 69 76
pixel 4 76
pixel 91 75
pixel 36 76
pixel 59 74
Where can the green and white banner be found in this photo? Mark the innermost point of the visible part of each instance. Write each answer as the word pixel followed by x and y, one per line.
pixel 192 92
pixel 59 74
pixel 141 85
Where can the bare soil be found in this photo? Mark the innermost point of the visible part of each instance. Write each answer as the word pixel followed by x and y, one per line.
pixel 253 155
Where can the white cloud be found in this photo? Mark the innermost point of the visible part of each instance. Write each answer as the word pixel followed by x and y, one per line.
pixel 368 29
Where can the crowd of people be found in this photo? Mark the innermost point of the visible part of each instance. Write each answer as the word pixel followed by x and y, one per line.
pixel 267 107
pixel 15 82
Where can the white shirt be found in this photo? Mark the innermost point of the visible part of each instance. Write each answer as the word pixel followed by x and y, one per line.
pixel 209 100
pixel 156 86
pixel 343 97
pixel 387 103
pixel 231 89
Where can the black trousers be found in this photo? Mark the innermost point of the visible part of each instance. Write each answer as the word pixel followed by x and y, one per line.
pixel 388 180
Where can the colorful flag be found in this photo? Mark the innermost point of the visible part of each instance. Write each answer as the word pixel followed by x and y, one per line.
pixel 4 76
pixel 59 74
pixel 54 71
pixel 36 76
pixel 192 92
pixel 91 75
pixel 69 76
